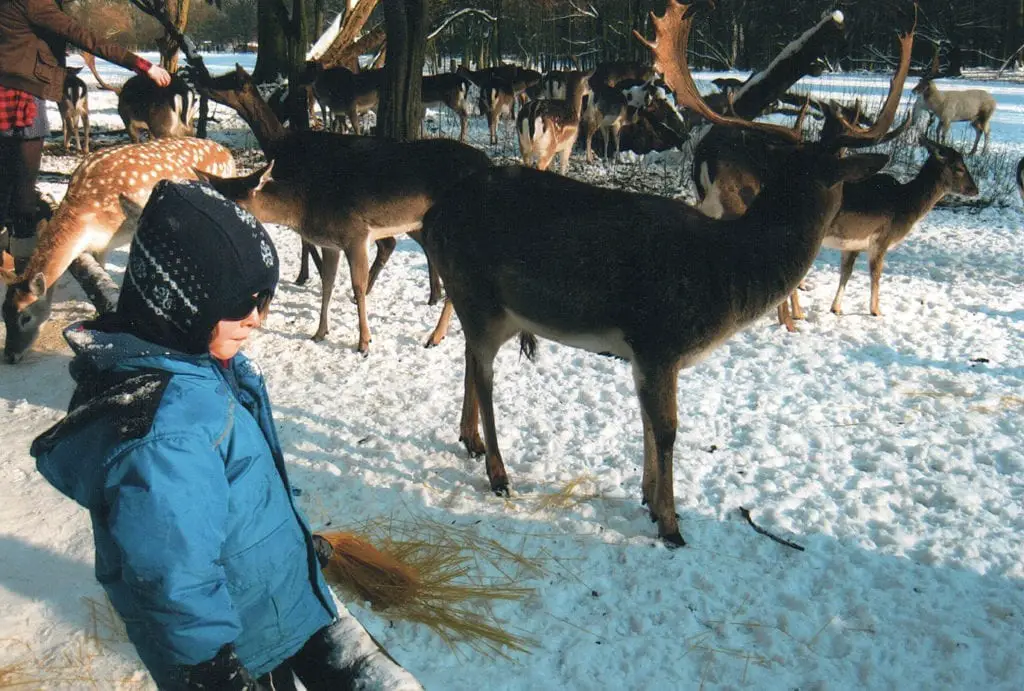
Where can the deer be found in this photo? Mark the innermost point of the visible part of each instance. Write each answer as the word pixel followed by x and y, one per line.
pixel 339 90
pixel 878 213
pixel 163 111
pixel 1020 178
pixel 92 219
pixel 613 72
pixel 610 108
pixel 340 192
pixel 972 105
pixel 644 278
pixel 451 89
pixel 499 87
pixel 549 127
pixel 74 109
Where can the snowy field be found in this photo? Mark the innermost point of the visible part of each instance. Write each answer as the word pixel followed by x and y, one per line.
pixel 891 448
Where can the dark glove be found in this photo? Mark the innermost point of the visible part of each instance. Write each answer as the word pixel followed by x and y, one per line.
pixel 324 550
pixel 225 672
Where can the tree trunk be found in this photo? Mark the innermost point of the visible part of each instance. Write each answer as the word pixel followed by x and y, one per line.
pixel 272 33
pixel 177 11
pixel 400 111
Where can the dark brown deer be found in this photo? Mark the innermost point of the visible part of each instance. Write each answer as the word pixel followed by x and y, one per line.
pixel 610 108
pixel 340 91
pixel 878 213
pixel 164 111
pixel 499 87
pixel 451 89
pixel 640 277
pixel 74 111
pixel 340 192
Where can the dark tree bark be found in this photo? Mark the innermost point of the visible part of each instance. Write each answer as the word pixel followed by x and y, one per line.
pixel 272 34
pixel 399 113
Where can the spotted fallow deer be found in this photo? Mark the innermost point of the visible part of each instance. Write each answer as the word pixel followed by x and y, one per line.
pixel 878 213
pixel 91 219
pixel 975 106
pixel 549 127
pixel 640 277
pixel 341 193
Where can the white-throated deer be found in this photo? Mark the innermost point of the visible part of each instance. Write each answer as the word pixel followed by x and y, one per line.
pixel 91 218
pixel 975 106
pixel 549 127
pixel 451 89
pixel 340 192
pixel 878 213
pixel 74 110
pixel 644 278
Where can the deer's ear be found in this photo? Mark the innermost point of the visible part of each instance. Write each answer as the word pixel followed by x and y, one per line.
pixel 132 211
pixel 37 286
pixel 265 176
pixel 204 176
pixel 8 276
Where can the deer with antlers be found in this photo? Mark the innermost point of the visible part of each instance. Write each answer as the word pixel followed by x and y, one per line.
pixel 341 193
pixel 549 127
pixel 644 278
pixel 92 219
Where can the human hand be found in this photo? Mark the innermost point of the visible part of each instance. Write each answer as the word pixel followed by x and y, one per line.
pixel 159 75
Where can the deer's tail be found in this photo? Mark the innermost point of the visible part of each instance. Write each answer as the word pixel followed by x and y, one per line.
pixel 528 345
pixel 90 61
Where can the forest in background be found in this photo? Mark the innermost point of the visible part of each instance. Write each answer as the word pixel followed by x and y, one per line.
pixel 739 34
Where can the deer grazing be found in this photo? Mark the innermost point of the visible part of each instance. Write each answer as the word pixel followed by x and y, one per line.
pixel 451 89
pixel 640 277
pixel 74 110
pixel 973 105
pixel 549 127
pixel 164 111
pixel 92 218
pixel 341 91
pixel 341 193
pixel 878 213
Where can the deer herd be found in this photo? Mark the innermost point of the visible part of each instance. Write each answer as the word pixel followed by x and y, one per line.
pixel 640 277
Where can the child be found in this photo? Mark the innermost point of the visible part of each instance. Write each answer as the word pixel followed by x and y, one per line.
pixel 171 446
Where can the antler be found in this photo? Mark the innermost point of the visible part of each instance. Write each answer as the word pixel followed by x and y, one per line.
pixel 672 37
pixel 851 135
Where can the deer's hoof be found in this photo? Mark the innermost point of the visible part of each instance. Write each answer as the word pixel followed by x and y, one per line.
pixel 500 489
pixel 673 540
pixel 474 446
pixel 836 311
pixel 317 337
pixel 876 313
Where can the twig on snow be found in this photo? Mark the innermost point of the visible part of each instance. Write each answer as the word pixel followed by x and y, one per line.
pixel 762 531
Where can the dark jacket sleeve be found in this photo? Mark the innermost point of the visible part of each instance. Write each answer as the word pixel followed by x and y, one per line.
pixel 44 14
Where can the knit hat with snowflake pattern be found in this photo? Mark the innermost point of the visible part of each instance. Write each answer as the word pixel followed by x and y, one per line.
pixel 196 259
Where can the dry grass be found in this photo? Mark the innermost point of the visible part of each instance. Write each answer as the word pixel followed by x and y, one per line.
pixel 429 572
pixel 567 497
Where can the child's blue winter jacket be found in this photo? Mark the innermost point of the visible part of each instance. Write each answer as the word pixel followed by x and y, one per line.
pixel 198 542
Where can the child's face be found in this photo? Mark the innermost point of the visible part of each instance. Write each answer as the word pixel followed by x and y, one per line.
pixel 229 335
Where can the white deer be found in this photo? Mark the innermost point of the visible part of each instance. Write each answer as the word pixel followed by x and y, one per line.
pixel 973 105
pixel 92 219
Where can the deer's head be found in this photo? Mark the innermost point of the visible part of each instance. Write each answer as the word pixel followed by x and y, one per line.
pixel 953 172
pixel 258 193
pixel 233 89
pixel 26 307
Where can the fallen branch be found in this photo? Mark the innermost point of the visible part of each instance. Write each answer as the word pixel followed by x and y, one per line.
pixel 762 531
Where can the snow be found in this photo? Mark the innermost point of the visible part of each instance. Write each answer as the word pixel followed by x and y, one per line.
pixel 890 448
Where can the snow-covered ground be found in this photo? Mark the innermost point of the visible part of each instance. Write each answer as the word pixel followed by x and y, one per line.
pixel 892 448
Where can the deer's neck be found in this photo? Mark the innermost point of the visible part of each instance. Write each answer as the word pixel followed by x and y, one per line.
pixel 282 203
pixel 63 239
pixel 922 193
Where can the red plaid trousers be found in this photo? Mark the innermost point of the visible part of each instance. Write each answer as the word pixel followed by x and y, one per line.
pixel 17 109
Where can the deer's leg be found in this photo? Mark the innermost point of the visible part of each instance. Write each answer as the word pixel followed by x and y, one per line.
pixel 480 354
pixel 544 159
pixel 785 317
pixel 876 261
pixel 358 263
pixel 469 422
pixel 607 140
pixel 309 251
pixel 616 134
pixel 656 389
pixel 435 280
pixel 591 131
pixel 798 312
pixel 85 126
pixel 977 137
pixel 492 126
pixel 328 273
pixel 845 269
pixel 385 248
pixel 441 330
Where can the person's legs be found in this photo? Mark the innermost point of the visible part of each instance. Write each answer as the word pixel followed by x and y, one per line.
pixel 21 159
pixel 345 656
pixel 280 679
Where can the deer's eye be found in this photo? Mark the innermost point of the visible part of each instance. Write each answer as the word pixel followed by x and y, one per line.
pixel 24 319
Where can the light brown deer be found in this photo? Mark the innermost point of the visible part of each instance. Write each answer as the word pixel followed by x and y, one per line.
pixel 610 108
pixel 340 91
pixel 341 193
pixel 975 106
pixel 91 218
pixel 640 277
pixel 878 213
pixel 451 89
pixel 549 127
